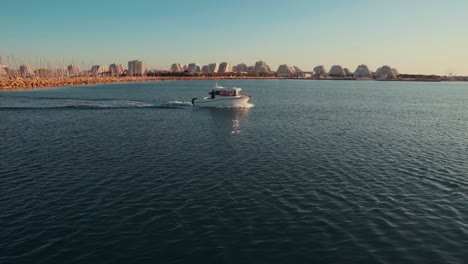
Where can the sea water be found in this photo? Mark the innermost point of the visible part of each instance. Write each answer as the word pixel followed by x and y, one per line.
pixel 316 171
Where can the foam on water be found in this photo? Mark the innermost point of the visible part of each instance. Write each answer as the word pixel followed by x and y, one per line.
pixel 95 104
pixel 175 104
pixel 236 106
pixel 117 105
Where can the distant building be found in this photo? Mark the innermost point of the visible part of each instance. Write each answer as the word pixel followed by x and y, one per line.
pixel 297 69
pixel 59 72
pixel 337 71
pixel 213 67
pixel 176 67
pixel 285 71
pixel 43 73
pixel 348 73
pixel 320 71
pixel 116 69
pixel 262 67
pixel 26 71
pixel 155 72
pixel 136 68
pixel 362 71
pixel 73 70
pixel 193 68
pixel 98 70
pixel 3 70
pixel 241 67
pixel 225 67
pixel 386 72
pixel 205 68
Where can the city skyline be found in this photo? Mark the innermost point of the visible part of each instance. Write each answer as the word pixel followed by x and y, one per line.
pixel 414 38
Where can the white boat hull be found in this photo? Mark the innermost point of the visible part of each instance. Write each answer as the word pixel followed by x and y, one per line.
pixel 222 101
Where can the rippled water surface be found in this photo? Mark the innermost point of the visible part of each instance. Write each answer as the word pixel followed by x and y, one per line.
pixel 317 171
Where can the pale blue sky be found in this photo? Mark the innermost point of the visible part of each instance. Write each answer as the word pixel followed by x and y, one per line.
pixel 413 36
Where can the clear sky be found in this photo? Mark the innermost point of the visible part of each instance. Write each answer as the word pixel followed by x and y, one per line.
pixel 414 36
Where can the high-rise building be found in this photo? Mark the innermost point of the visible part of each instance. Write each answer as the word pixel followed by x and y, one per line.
pixel 213 67
pixel 261 67
pixel 285 70
pixel 97 70
pixel 320 71
pixel 348 72
pixel 176 67
pixel 337 71
pixel 241 67
pixel 26 71
pixel 193 68
pixel 73 70
pixel 225 67
pixel 116 69
pixel 136 68
pixel 362 71
pixel 297 69
pixel 43 73
pixel 205 68
pixel 3 70
pixel 386 72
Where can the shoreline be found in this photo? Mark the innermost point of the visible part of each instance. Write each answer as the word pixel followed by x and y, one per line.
pixel 18 83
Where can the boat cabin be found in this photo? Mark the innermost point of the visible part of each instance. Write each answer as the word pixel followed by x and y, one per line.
pixel 225 92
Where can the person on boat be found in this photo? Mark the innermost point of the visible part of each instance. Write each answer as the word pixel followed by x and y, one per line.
pixel 212 94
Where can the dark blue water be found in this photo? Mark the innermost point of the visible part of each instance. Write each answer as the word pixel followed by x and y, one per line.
pixel 317 171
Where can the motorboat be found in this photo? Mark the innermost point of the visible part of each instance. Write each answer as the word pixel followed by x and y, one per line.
pixel 223 97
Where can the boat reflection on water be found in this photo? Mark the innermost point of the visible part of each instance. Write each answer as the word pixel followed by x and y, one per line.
pixel 230 120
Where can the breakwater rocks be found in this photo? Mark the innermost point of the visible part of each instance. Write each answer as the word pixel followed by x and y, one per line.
pixel 12 83
pixel 26 83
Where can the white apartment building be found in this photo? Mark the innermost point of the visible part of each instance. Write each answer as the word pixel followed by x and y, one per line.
pixel 176 67
pixel 213 67
pixel 97 70
pixel 362 71
pixel 225 67
pixel 337 71
pixel 285 70
pixel 26 71
pixel 241 67
pixel 319 71
pixel 116 69
pixel 73 70
pixel 3 70
pixel 193 68
pixel 136 68
pixel 261 67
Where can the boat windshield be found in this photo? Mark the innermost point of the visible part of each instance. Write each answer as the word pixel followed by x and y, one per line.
pixel 226 93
